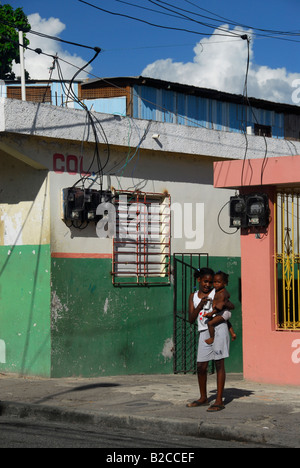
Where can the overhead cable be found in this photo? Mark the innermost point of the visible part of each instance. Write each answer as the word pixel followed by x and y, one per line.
pixel 153 24
pixel 264 33
pixel 46 36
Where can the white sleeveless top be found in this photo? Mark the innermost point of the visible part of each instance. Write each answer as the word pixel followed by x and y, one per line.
pixel 202 321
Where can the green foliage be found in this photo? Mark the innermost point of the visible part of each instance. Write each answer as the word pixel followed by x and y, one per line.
pixel 11 22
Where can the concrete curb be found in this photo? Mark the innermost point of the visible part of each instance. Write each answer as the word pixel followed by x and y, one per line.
pixel 237 433
pixel 202 429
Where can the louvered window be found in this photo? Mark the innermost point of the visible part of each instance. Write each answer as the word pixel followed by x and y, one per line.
pixel 141 246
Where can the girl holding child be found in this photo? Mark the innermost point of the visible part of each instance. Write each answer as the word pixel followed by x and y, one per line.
pixel 210 306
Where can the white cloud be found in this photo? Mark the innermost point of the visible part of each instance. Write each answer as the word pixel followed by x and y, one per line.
pixel 38 66
pixel 220 63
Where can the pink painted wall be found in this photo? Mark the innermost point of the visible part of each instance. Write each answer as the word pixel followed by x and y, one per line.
pixel 270 356
pixel 257 172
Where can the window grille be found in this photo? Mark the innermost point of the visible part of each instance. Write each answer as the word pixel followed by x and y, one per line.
pixel 108 92
pixel 141 245
pixel 287 258
pixel 33 93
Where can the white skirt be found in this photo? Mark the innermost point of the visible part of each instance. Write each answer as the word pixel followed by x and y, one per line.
pixel 220 347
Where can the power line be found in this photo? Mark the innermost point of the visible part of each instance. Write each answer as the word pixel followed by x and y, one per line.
pixel 54 57
pixel 46 36
pixel 58 39
pixel 146 8
pixel 188 18
pixel 265 33
pixel 152 24
pixel 167 46
pixel 231 22
pixel 92 119
pixel 179 16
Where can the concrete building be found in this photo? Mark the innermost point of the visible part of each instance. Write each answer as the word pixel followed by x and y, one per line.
pixel 72 301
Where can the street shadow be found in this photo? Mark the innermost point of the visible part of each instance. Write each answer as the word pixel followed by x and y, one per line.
pixel 231 394
pixel 92 386
pixel 82 388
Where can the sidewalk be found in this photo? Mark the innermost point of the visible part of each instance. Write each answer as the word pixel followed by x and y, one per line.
pixel 257 413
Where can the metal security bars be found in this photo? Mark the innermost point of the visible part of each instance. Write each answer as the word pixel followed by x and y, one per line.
pixel 142 241
pixel 287 260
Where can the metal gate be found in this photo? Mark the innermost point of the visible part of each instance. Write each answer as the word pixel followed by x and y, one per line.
pixel 185 334
pixel 287 258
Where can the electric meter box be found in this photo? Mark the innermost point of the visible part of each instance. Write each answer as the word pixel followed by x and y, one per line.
pixel 249 211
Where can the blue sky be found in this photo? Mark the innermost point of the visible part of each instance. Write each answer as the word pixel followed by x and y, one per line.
pixel 131 48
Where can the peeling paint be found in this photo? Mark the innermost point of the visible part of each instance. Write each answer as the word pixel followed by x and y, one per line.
pixel 168 349
pixel 12 229
pixel 25 222
pixel 2 352
pixel 106 306
pixel 57 308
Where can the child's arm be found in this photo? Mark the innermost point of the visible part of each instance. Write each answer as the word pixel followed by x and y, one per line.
pixel 216 320
pixel 209 314
pixel 229 306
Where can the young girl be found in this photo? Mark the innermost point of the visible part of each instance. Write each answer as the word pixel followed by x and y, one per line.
pixel 218 351
pixel 197 302
pixel 220 307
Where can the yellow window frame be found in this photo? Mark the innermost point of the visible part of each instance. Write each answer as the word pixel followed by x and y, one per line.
pixel 287 259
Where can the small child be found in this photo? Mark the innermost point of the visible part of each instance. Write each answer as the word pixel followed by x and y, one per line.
pixel 221 307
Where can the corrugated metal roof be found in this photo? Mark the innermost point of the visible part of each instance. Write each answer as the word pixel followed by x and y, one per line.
pixel 192 90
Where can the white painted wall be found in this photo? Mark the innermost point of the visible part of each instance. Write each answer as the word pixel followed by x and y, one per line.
pixel 24 204
pixel 180 161
pixel 46 121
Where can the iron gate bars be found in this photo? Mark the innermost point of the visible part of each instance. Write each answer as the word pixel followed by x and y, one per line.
pixel 287 260
pixel 185 334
